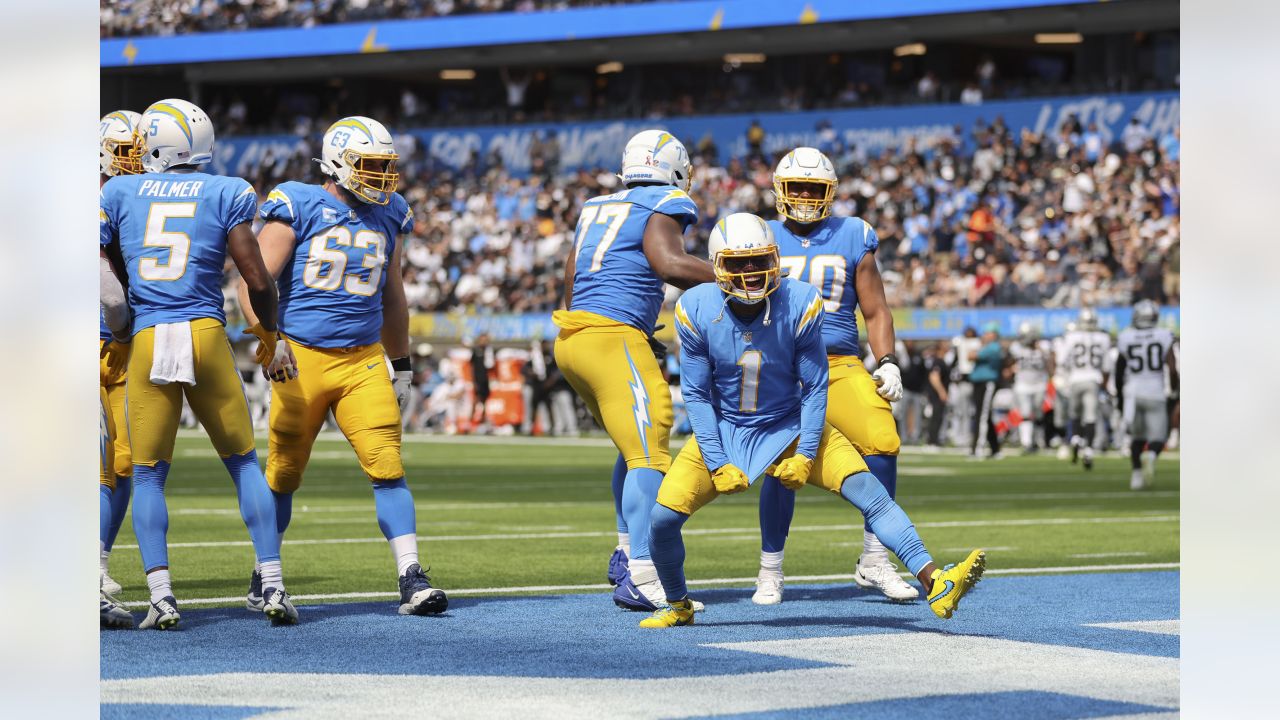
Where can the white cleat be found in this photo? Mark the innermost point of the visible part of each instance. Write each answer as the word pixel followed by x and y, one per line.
pixel 109 586
pixel 162 614
pixel 112 614
pixel 1137 480
pixel 883 576
pixel 1064 451
pixel 278 607
pixel 768 589
pixel 1148 459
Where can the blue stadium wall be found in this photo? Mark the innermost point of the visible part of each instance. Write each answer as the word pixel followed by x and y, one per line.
pixel 599 144
pixel 910 323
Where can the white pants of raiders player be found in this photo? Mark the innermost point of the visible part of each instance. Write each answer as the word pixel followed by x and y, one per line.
pixel 1030 402
pixel 1146 418
pixel 1082 401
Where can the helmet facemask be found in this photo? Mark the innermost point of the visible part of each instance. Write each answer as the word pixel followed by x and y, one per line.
pixel 371 178
pixel 126 157
pixel 748 275
pixel 804 200
pixel 1145 315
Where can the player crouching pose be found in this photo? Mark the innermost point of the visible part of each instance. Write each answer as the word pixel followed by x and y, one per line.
pixel 747 342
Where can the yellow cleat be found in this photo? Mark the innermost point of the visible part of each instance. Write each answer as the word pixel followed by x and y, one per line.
pixel 954 581
pixel 679 612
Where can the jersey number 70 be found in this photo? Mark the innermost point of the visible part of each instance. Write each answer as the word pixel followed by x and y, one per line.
pixel 826 272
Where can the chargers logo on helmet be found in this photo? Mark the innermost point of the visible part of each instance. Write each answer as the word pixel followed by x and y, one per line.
pixel 357 152
pixel 174 132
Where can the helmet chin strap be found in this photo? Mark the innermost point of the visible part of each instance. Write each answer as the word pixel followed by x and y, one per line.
pixel 768 308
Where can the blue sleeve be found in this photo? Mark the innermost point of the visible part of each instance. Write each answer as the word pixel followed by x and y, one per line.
pixel 696 380
pixel 282 206
pixel 814 372
pixel 242 205
pixel 869 243
pixel 106 218
pixel 675 203
pixel 404 215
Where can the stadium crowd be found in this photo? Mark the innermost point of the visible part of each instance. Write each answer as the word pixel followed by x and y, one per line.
pixel 120 18
pixel 1019 219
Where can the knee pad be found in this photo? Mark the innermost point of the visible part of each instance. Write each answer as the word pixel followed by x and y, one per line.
pixel 282 476
pixel 664 521
pixel 885 441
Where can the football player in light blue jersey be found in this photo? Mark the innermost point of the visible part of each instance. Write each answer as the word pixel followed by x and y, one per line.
pixel 336 249
pixel 117 155
pixel 837 255
pixel 754 375
pixel 628 246
pixel 176 226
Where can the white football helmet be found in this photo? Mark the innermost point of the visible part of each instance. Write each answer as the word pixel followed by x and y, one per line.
pixel 1028 332
pixel 745 257
pixel 1145 314
pixel 656 156
pixel 1088 319
pixel 118 151
pixel 804 165
pixel 359 155
pixel 174 132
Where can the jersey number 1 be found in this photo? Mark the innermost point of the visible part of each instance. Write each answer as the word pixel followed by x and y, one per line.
pixel 750 362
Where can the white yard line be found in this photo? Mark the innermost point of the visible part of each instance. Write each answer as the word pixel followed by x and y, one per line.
pixel 463 592
pixel 601 442
pixel 908 501
pixel 1033 522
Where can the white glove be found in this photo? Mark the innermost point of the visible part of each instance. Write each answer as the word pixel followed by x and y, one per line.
pixel 888 382
pixel 403 383
pixel 283 366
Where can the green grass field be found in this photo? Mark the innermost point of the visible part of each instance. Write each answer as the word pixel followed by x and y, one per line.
pixel 498 514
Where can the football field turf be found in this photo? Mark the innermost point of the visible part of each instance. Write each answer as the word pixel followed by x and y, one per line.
pixel 531 516
pixel 1076 618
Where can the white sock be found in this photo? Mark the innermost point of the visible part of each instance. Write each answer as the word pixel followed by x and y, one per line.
pixel 624 541
pixel 771 562
pixel 103 554
pixel 1027 432
pixel 642 571
pixel 272 575
pixel 257 566
pixel 873 551
pixel 160 584
pixel 405 550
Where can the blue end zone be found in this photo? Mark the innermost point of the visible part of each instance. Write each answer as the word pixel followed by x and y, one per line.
pixel 139 711
pixel 1040 705
pixel 585 637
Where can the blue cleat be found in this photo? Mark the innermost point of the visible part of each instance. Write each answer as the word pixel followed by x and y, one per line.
pixel 630 597
pixel 254 600
pixel 617 566
pixel 417 597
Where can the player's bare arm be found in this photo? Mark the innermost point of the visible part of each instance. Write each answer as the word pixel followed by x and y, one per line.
pixel 260 287
pixel 395 308
pixel 275 244
pixel 570 265
pixel 395 325
pixel 875 309
pixel 664 248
